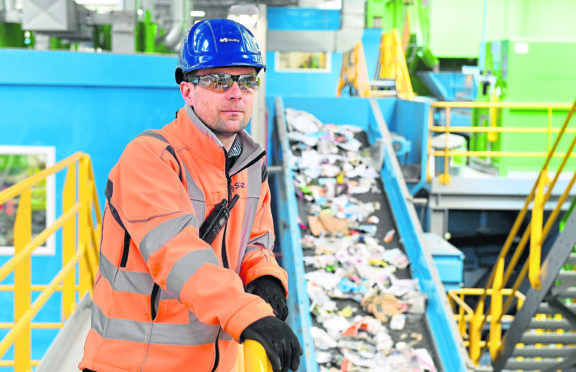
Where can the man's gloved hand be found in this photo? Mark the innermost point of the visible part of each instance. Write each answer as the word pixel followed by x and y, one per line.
pixel 270 289
pixel 281 344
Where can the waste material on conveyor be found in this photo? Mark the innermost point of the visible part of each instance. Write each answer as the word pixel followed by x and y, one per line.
pixel 368 313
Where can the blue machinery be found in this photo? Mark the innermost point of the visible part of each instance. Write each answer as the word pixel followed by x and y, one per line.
pixel 371 115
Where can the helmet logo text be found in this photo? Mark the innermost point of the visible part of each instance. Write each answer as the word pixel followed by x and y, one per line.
pixel 227 40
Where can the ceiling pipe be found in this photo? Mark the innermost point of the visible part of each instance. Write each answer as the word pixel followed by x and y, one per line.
pixel 174 36
pixel 342 40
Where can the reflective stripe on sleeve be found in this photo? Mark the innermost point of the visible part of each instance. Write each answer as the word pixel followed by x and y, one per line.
pixel 194 333
pixel 125 281
pixel 163 233
pixel 265 240
pixel 186 266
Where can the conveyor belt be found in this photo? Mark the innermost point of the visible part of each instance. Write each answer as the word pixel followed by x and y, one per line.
pixel 437 327
pixel 415 332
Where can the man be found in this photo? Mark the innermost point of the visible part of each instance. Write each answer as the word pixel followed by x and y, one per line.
pixel 178 285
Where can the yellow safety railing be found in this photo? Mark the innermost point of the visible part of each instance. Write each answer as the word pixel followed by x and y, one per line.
pixel 500 288
pixel 354 73
pixel 252 357
pixel 391 66
pixel 80 223
pixel 491 131
pixel 464 314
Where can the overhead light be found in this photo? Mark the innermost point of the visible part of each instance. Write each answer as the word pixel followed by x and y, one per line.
pixel 197 13
pixel 245 14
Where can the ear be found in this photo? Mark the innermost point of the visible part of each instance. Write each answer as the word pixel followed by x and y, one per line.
pixel 187 91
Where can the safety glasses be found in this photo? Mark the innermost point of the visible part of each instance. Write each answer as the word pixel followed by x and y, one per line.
pixel 220 82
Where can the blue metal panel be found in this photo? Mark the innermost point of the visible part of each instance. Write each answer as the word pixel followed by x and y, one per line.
pixel 410 120
pixel 304 84
pixel 88 102
pixel 303 19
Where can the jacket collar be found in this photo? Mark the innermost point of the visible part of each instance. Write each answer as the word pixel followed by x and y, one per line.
pixel 189 124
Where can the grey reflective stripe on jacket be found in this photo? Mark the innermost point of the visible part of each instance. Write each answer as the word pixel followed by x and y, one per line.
pixel 254 185
pixel 193 333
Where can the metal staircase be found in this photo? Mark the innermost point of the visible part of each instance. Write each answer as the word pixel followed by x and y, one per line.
pixel 525 317
pixel 542 335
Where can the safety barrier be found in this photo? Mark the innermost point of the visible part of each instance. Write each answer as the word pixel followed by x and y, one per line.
pixel 496 299
pixel 80 223
pixel 464 314
pixel 391 70
pixel 492 131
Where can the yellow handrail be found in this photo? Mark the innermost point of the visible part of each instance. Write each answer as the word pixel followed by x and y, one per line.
pixel 492 131
pixel 498 283
pixel 255 358
pixel 464 314
pixel 354 73
pixel 391 66
pixel 78 209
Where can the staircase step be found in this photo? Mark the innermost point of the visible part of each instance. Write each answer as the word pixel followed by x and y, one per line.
pixel 549 338
pixel 572 259
pixel 567 277
pixel 544 352
pixel 553 324
pixel 530 364
pixel 568 293
pixel 544 308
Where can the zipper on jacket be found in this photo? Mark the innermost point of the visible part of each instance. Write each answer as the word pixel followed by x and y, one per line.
pixel 229 194
pixel 154 301
pixel 217 350
pixel 125 249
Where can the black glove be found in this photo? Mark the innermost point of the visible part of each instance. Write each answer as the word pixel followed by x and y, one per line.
pixel 281 344
pixel 271 290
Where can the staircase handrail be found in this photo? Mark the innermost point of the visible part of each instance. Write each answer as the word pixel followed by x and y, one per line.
pixel 498 277
pixel 79 205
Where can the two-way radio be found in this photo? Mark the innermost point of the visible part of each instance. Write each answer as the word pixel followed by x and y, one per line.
pixel 216 220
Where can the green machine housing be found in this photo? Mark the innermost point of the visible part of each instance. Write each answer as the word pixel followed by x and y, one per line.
pixel 527 71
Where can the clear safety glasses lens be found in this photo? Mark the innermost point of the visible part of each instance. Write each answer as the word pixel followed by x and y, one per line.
pixel 220 82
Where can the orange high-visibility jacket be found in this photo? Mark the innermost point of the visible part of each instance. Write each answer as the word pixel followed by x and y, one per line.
pixel 165 300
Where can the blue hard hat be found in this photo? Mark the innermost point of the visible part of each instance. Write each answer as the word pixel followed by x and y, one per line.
pixel 217 43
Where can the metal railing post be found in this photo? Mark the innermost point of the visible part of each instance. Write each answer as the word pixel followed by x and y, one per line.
pixel 83 232
pixel 476 333
pixel 495 335
pixel 22 279
pixel 69 242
